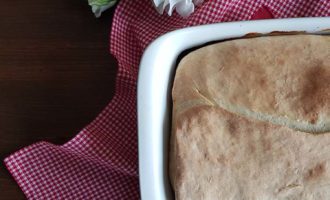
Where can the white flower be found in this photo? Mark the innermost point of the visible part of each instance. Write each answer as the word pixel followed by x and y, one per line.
pixel 182 7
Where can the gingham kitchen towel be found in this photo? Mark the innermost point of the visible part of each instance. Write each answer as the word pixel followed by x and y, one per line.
pixel 101 161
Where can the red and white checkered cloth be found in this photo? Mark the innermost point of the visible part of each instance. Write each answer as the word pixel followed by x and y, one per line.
pixel 101 161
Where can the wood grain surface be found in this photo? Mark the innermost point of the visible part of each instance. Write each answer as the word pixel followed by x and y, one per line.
pixel 56 74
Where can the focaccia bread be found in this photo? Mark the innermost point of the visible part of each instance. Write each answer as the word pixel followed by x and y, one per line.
pixel 251 119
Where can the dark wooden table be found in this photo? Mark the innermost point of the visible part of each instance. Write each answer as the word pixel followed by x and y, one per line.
pixel 56 74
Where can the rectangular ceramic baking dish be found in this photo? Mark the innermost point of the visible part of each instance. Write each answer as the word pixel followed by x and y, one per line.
pixel 156 75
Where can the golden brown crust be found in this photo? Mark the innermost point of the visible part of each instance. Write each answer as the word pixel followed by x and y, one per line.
pixel 243 111
pixel 280 79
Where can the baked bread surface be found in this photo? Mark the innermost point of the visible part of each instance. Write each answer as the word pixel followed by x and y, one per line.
pixel 251 119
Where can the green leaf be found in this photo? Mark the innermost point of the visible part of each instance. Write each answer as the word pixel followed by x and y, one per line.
pixel 101 2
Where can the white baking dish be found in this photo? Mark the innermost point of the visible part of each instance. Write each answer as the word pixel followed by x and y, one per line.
pixel 155 84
